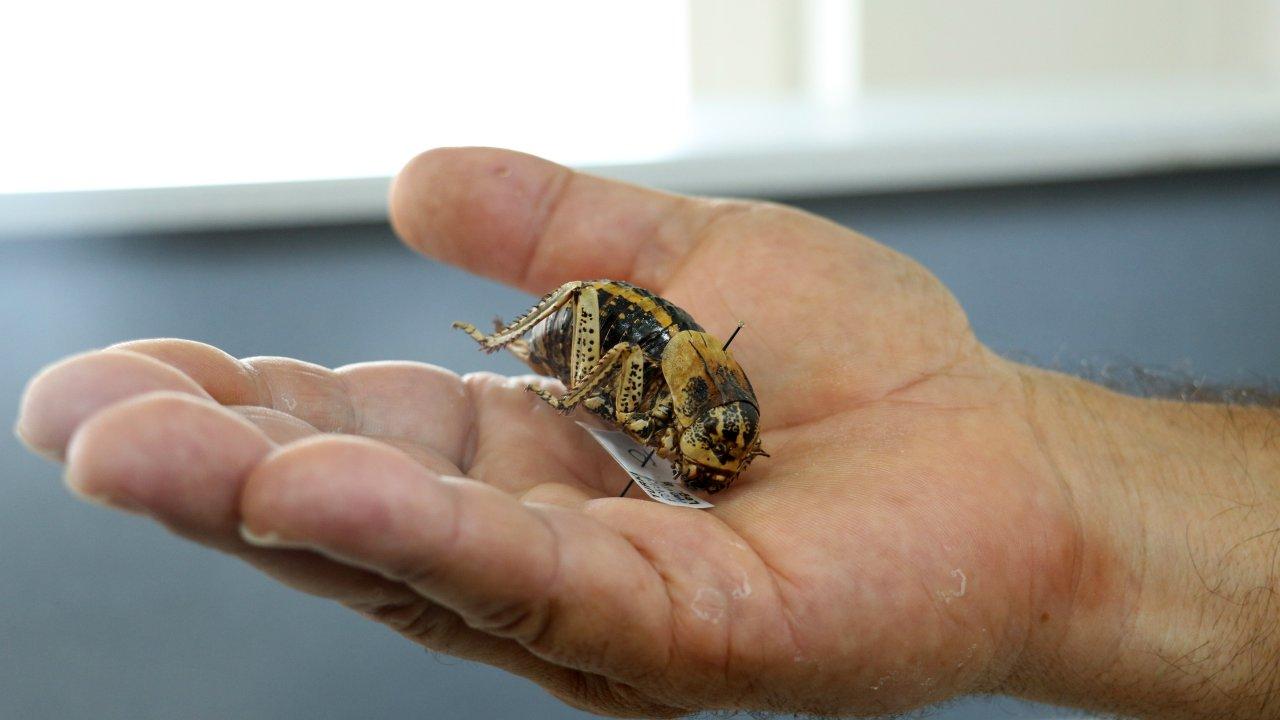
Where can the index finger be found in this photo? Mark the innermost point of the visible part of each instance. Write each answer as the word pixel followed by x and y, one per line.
pixel 533 224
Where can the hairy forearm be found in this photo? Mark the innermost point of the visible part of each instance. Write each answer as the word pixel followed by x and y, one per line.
pixel 1174 608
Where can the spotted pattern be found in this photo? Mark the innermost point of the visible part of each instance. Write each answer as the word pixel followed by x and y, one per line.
pixel 694 396
pixel 598 375
pixel 630 385
pixel 645 366
pixel 723 436
pixel 586 338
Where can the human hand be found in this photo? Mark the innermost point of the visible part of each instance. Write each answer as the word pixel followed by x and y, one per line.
pixel 911 537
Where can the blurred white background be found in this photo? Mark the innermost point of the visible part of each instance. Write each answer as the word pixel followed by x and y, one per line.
pixel 761 97
pixel 144 93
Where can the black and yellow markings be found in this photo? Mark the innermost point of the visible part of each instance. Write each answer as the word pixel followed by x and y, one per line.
pixel 630 390
pixel 628 301
pixel 586 334
pixel 687 368
pixel 643 364
pixel 595 376
pixel 729 424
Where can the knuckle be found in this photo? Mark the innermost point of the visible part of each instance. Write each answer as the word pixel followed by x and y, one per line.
pixel 420 620
pixel 528 623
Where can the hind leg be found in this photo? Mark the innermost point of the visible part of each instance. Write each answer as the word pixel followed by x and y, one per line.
pixel 619 357
pixel 521 325
pixel 519 348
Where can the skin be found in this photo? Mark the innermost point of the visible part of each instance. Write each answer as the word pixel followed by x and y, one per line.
pixel 934 519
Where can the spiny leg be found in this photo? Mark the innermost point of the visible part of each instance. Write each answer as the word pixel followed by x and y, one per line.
pixel 519 348
pixel 629 389
pixel 521 325
pixel 522 350
pixel 595 377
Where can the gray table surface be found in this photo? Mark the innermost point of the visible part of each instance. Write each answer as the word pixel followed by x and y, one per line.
pixel 105 616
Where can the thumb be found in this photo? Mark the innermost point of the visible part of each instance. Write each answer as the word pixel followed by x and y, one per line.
pixel 533 224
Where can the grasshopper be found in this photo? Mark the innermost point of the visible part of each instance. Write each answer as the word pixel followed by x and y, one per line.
pixel 644 366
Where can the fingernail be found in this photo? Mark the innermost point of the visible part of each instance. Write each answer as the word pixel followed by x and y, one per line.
pixel 267 538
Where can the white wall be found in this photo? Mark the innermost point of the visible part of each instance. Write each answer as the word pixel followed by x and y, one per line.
pixel 765 48
pixel 741 47
pixel 935 44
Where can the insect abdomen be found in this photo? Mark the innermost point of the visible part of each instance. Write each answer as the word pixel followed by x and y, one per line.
pixel 631 314
pixel 551 343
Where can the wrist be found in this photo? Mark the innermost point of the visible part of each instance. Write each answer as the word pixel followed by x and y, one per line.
pixel 1170 607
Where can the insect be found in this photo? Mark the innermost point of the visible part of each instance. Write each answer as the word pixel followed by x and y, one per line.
pixel 644 366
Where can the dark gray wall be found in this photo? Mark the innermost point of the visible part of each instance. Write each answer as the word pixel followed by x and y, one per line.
pixel 105 616
pixel 1181 271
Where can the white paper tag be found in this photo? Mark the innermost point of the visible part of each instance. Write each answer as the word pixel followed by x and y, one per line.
pixel 653 474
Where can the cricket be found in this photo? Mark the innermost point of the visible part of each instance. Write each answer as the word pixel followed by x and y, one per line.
pixel 644 366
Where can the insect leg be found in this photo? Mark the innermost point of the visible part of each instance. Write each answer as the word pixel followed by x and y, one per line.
pixel 521 325
pixel 644 423
pixel 586 335
pixel 629 390
pixel 662 408
pixel 595 377
pixel 519 348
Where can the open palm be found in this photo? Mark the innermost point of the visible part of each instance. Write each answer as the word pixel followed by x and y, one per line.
pixel 905 542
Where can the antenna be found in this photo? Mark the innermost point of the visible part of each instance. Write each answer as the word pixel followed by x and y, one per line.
pixel 734 335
